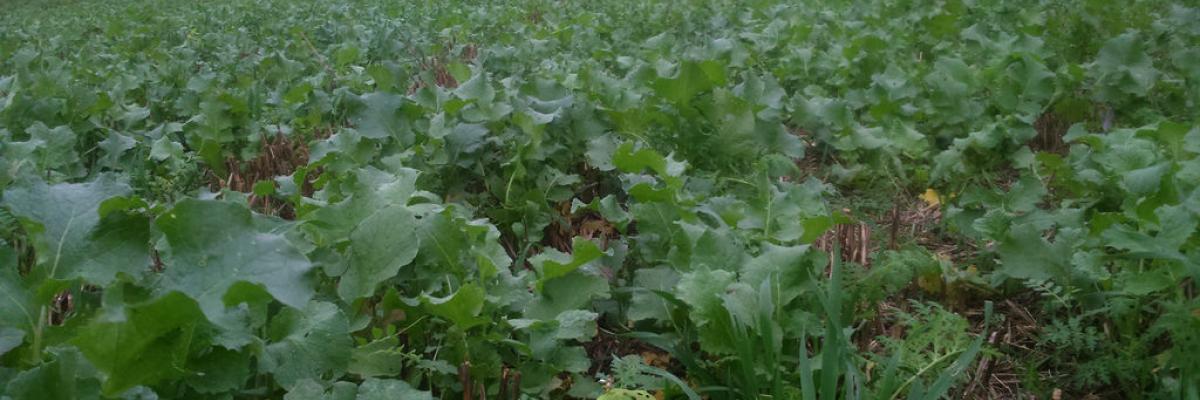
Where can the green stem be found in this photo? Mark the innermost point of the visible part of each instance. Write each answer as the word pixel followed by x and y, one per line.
pixel 37 335
pixel 770 205
pixel 922 371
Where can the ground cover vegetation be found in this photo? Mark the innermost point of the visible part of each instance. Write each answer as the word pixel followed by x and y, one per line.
pixel 370 199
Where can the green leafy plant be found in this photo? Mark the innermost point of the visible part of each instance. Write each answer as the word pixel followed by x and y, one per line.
pixel 376 199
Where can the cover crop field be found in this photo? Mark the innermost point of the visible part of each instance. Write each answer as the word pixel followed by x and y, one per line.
pixel 622 199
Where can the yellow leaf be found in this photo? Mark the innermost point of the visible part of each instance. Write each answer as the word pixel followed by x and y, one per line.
pixel 625 394
pixel 656 359
pixel 932 197
pixel 931 283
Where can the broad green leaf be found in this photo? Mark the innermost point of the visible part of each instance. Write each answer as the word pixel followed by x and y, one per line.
pixel 1144 283
pixel 166 149
pixel 1124 68
pixel 150 345
pixel 1025 254
pixel 953 82
pixel 309 389
pixel 716 249
pixel 552 263
pixel 792 212
pixel 345 55
pixel 572 291
pixel 894 82
pixel 443 242
pixel 385 78
pixel 66 376
pixel 788 268
pixel 381 118
pixel 464 140
pixel 219 370
pixel 120 244
pixel 700 289
pixel 114 146
pixel 74 242
pixel 626 159
pixel 462 308
pixel 477 88
pixel 388 389
pixel 690 79
pixel 490 256
pixel 379 246
pixel 546 347
pixel 576 325
pixel 1144 181
pixel 608 208
pixel 600 151
pixel 1175 226
pixel 1028 85
pixel 644 303
pixel 215 244
pixel 10 338
pixel 309 343
pixel 18 310
pixel 54 148
pixel 1025 194
pixel 382 357
pixel 370 191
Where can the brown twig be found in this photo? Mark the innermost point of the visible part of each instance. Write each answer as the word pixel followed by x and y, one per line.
pixel 504 384
pixel 464 376
pixel 516 385
pixel 983 372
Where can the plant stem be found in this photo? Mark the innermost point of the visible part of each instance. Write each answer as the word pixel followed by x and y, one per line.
pixel 922 371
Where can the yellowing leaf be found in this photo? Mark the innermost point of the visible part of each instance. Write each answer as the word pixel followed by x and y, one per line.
pixel 626 394
pixel 932 198
pixel 931 283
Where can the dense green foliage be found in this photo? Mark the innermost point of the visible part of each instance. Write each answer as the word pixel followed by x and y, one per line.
pixel 375 199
